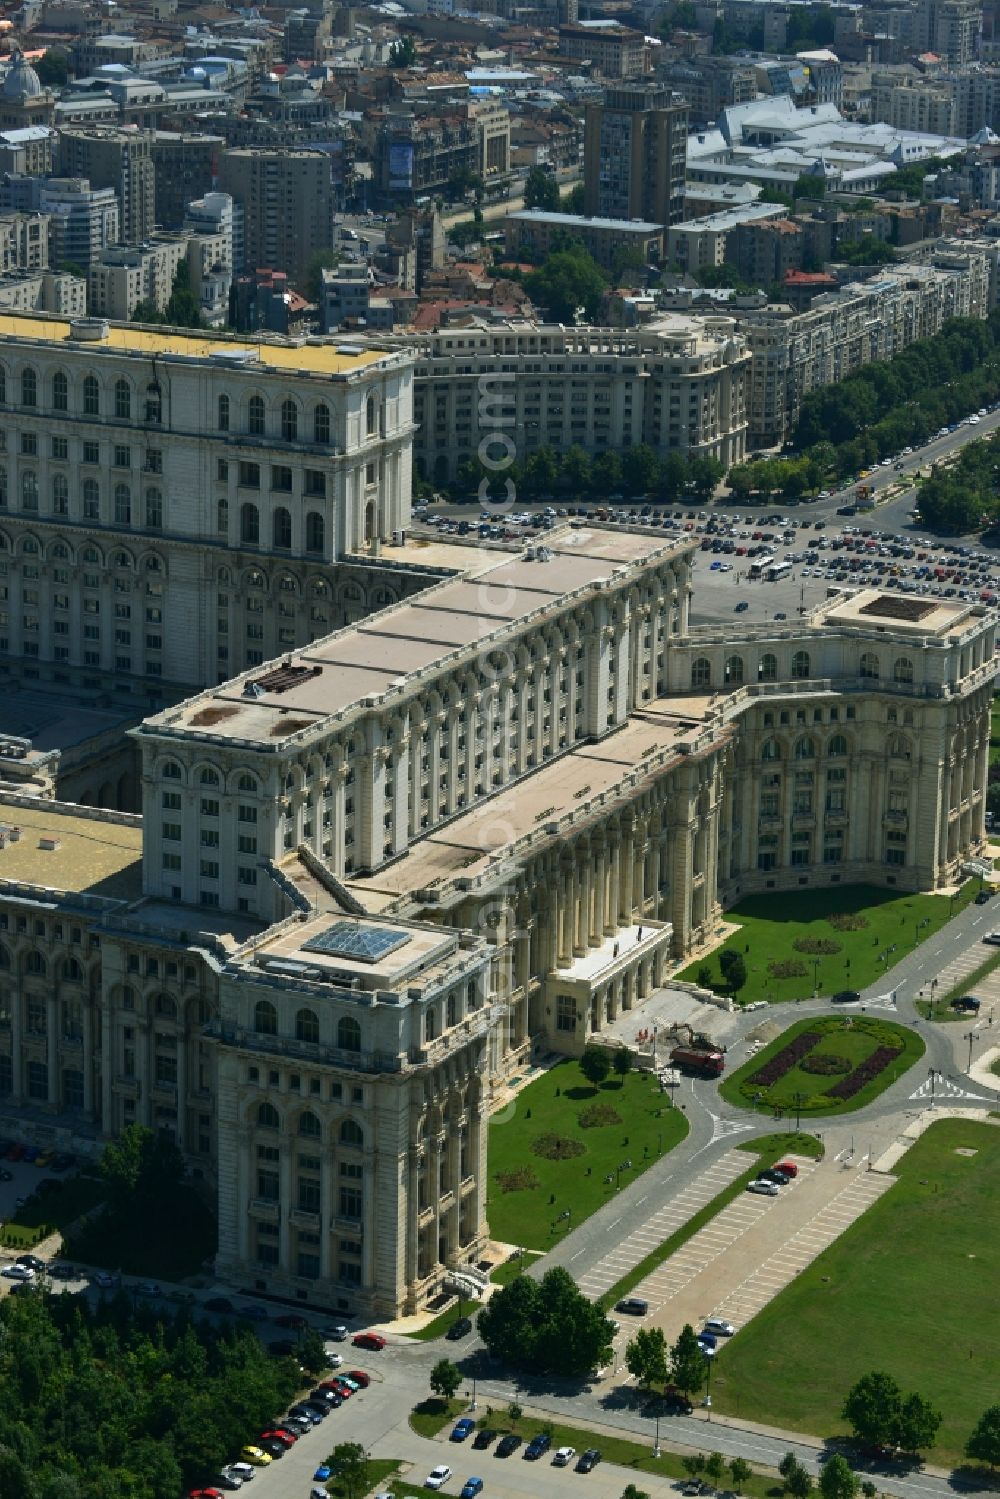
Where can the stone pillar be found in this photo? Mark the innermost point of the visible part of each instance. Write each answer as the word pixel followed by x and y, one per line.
pixel 245 1189
pixel 16 1054
pixel 88 1058
pixel 108 1031
pixel 182 1074
pixel 286 1205
pixel 52 1048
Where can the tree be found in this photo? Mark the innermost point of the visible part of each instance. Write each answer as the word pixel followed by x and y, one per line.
pixel 547 1326
pixel 622 1061
pixel 984 1442
pixel 631 1492
pixel 507 1321
pixel 799 1483
pixel 569 280
pixel 740 1472
pixel 646 1356
pixel 872 1410
pixel 788 1465
pixel 918 1424
pixel 541 190
pixel 595 1064
pixel 311 1352
pixel 52 68
pixel 736 973
pixel 312 277
pixel 687 1362
pixel 838 1480
pixel 403 53
pixel 348 1465
pixel 139 1167
pixel 715 1469
pixel 575 200
pixel 693 1464
pixel 445 1378
pixel 640 468
pixel 514 1413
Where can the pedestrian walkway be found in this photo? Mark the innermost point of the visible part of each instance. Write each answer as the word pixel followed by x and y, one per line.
pixel 947 1087
pixel 663 1224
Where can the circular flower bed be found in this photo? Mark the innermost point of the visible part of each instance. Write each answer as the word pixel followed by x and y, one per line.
pixel 557 1147
pixel 825 1064
pixel 598 1114
pixel 818 946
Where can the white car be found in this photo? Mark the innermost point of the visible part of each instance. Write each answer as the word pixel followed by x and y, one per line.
pixel 246 1471
pixel 334 1360
pixel 563 1456
pixel 437 1477
pixel 993 937
pixel 764 1189
pixel 18 1272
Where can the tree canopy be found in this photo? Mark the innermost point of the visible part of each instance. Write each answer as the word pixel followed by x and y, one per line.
pixel 568 280
pixel 881 1416
pixel 546 1326
pixel 541 190
pixel 984 1442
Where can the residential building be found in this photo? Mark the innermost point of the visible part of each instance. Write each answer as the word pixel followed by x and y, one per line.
pixel 949 28
pixel 634 155
pixel 699 244
pixel 708 84
pixel 611 49
pixel 121 160
pixel 344 296
pixel 287 205
pixel 27 152
pixel 56 292
pixel 185 164
pixel 764 252
pixel 24 242
pixel 609 241
pixel 83 220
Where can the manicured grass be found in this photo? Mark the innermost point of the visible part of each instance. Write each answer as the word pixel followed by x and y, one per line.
pixel 853 1037
pixel 767 1149
pixel 431 1414
pixel 995 732
pixel 907 1289
pixel 771 924
pixel 379 1469
pixel 642 1127
pixel 504 1274
pixel 441 1324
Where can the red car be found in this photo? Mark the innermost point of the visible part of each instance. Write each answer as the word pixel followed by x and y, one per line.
pixel 371 1340
pixel 279 1435
pixel 207 1494
pixel 343 1390
pixel 788 1167
pixel 360 1377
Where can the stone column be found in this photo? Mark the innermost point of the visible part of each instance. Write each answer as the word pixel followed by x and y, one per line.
pixel 108 1032
pixel 182 1073
pixel 88 1057
pixel 16 1055
pixel 286 1205
pixel 245 1189
pixel 52 1047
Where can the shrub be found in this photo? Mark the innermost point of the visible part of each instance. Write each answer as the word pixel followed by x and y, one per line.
pixel 522 1180
pixel 557 1147
pixel 864 1072
pixel 784 1060
pixel 598 1114
pixel 847 921
pixel 825 1064
pixel 818 946
pixel 788 968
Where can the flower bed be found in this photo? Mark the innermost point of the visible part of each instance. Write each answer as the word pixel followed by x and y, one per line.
pixel 785 1060
pixel 864 1072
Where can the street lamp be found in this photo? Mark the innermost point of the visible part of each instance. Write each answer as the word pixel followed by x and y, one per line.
pixel 970 1036
pixel 815 963
pixel 933 1073
pixel 619 1169
pixel 656 1439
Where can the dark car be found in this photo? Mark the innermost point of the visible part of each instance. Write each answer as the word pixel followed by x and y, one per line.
pixel 317 1408
pixel 633 1306
pixel 774 1174
pixel 32 1261
pixel 845 997
pixel 460 1328
pixel 332 1398
pixel 538 1444
pixel 967 1003
pixel 983 897
pixel 508 1444
pixel 484 1438
pixel 588 1460
pixel 272 1448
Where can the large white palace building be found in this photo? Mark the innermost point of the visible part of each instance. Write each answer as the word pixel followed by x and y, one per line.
pixel 379 863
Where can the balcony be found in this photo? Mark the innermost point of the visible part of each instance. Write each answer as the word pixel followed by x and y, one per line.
pixel 305 1218
pixel 306 1051
pixel 264 1209
pixel 895 819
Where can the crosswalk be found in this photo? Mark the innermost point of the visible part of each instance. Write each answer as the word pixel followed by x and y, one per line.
pixel 722 1128
pixel 946 1087
pixel 663 1223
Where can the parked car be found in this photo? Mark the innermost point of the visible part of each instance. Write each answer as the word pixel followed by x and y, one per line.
pixel 563 1456
pixel 967 1004
pixel 322 1473
pixel 508 1444
pixel 764 1189
pixel 471 1488
pixel 633 1306
pixel 337 1333
pixel 227 1479
pixel 537 1446
pixel 32 1261
pixel 774 1174
pixel 460 1328
pixel 255 1455
pixel 17 1272
pixel 463 1429
pixel 708 1340
pixel 359 1377
pixel 719 1326
pixel 437 1477
pixel 845 997
pixel 788 1167
pixel 372 1340
pixel 293 1320
pixel 246 1471
pixel 676 1401
pixel 148 1288
pixel 984 896
pixel 588 1460
pixel 484 1438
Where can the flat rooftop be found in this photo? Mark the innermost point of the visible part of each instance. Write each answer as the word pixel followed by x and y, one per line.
pixel 899 614
pixel 347 949
pixel 54 722
pixel 71 851
pixel 313 357
pixel 466 846
pixel 334 676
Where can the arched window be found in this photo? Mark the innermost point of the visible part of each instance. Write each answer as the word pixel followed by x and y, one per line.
pixel 209 777
pixel 315 532
pixel 800 664
pixel 223 422
pixel 869 665
pixel 734 671
pixel 770 750
pixel 123 505
pixel 166 1006
pixel 29 490
pixel 899 747
pixel 123 559
pixel 35 963
pixel 267 1116
pixel 902 670
pixel 289 421
pixel 804 748
pixel 91 499
pixel 249 524
pixel 123 401
pixel 701 672
pixel 265 1018
pixel 351 1133
pixel 91 396
pixel 222 517
pixel 60 392
pixel 307 1026
pixel 309 1125
pixel 837 746
pixel 255 416
pixel 321 423
pixel 29 387
pixel 371 416
pixel 282 527
pixel 72 971
pixel 246 783
pixel 767 668
pixel 348 1033
pixel 171 771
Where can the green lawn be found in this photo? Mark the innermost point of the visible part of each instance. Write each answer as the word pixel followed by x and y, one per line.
pixel 431 1414
pixel 995 732
pixel 630 1119
pixel 379 1469
pixel 853 1037
pixel 61 1201
pixel 771 924
pixel 505 1273
pixel 908 1289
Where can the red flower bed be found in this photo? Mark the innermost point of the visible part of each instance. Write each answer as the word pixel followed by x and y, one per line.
pixel 784 1060
pixel 864 1072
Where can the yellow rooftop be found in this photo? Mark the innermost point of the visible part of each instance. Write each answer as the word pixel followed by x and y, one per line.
pixel 307 356
pixel 43 844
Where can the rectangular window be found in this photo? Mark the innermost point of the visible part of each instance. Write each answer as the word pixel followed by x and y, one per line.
pixel 566 1013
pixel 171 832
pixel 250 475
pixel 315 481
pixel 209 869
pixel 172 861
pixel 60 449
pixel 246 843
pixel 38 1081
pixel 209 838
pixel 350 1202
pixel 281 478
pixel 309 1196
pixel 209 806
pixel 92 452
pixel 267 1186
pixel 245 876
pixel 123 456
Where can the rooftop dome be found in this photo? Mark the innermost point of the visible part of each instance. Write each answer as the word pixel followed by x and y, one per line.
pixel 21 82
